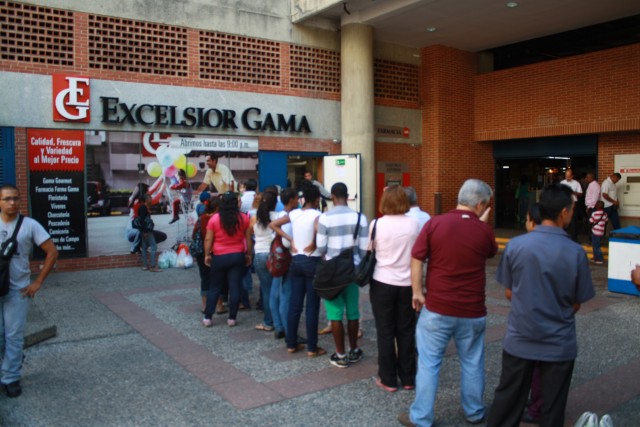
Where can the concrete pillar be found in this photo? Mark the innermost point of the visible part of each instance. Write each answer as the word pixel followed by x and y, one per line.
pixel 357 103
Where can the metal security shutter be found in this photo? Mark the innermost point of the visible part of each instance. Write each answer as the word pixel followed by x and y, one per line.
pixel 7 157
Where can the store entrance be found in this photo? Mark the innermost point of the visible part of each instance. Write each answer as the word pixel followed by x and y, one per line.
pixel 524 167
pixel 534 174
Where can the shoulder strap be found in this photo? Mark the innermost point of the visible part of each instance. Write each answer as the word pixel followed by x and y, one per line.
pixel 15 230
pixel 373 233
pixel 355 233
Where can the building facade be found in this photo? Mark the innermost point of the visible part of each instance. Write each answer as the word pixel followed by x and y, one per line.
pixel 273 99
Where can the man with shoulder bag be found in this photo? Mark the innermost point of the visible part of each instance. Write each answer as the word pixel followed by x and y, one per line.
pixel 336 230
pixel 16 295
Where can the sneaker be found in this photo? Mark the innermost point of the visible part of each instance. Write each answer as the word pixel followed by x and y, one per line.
pixel 606 421
pixel 231 322
pixel 13 389
pixel 355 355
pixel 207 323
pixel 340 362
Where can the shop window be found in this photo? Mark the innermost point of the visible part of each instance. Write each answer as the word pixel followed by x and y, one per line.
pixel 7 157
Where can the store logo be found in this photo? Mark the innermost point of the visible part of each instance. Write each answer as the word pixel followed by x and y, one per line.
pixel 71 99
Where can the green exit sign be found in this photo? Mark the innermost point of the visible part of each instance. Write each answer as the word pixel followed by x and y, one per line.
pixel 340 162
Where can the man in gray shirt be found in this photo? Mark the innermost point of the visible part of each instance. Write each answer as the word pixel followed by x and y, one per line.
pixel 546 276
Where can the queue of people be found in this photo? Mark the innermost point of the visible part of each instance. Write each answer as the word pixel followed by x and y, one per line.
pixel 428 288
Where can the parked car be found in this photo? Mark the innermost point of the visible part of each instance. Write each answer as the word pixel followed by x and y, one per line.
pixel 98 198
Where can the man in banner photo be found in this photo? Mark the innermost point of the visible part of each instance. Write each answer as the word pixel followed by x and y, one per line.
pixel 218 178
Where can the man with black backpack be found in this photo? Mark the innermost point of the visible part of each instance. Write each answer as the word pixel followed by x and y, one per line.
pixel 336 230
pixel 14 301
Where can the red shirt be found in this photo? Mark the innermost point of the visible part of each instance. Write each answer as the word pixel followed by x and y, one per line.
pixel 457 245
pixel 222 242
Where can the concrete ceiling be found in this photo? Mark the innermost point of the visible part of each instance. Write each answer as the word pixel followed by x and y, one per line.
pixel 470 25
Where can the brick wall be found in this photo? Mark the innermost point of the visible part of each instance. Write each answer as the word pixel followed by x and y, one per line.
pixel 591 93
pixel 449 155
pixel 611 144
pixel 45 40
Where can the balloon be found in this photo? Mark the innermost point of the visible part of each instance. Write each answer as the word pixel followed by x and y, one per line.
pixel 191 170
pixel 166 161
pixel 154 169
pixel 181 162
pixel 170 171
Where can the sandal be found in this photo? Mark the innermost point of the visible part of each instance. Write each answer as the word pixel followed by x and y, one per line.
pixel 325 331
pixel 263 327
pixel 319 352
pixel 296 349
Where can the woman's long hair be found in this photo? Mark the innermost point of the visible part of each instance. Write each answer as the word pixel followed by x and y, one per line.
pixel 229 213
pixel 267 205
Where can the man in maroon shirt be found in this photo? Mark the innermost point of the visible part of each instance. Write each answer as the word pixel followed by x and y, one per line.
pixel 457 245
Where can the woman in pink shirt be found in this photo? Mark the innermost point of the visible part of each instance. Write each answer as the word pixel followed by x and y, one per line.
pixel 391 292
pixel 227 246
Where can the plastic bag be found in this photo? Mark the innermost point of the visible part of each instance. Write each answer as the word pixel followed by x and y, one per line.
pixel 167 259
pixel 188 261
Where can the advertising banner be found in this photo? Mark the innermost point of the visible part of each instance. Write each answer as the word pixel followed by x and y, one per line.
pixel 56 187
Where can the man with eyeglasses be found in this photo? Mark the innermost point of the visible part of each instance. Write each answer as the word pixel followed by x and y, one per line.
pixel 15 305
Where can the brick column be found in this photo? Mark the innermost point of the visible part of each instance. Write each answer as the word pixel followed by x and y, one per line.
pixel 450 154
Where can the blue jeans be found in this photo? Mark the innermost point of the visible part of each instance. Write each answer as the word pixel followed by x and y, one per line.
pixel 280 300
pixel 133 236
pixel 247 286
pixel 433 333
pixel 302 271
pixel 148 240
pixel 228 269
pixel 595 244
pixel 260 265
pixel 13 316
pixel 205 275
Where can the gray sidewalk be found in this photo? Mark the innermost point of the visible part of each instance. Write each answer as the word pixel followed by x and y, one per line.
pixel 130 351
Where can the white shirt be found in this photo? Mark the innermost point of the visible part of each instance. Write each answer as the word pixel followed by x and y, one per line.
pixel 609 187
pixel 303 228
pixel 419 214
pixel 246 201
pixel 31 233
pixel 263 235
pixel 221 178
pixel 575 187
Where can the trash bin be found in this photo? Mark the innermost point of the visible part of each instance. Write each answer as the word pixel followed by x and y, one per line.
pixel 624 255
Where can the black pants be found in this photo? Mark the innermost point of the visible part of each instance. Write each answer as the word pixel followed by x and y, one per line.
pixel 572 228
pixel 396 328
pixel 512 392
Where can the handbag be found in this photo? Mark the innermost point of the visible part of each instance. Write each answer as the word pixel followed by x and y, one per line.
pixel 279 258
pixel 7 249
pixel 335 274
pixel 363 272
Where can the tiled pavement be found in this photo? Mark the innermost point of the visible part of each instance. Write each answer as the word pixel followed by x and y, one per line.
pixel 130 351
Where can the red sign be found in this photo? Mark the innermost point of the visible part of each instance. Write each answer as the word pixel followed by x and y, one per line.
pixel 71 96
pixel 55 150
pixel 630 170
pixel 152 140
